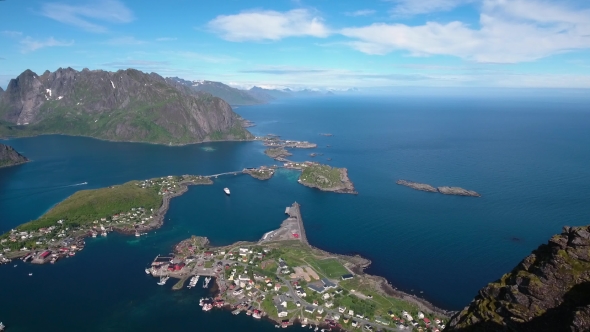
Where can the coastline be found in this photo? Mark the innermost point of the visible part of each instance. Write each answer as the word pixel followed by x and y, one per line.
pixel 134 142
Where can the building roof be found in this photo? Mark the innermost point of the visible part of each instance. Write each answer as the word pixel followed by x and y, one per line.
pixel 347 276
pixel 328 284
pixel 316 288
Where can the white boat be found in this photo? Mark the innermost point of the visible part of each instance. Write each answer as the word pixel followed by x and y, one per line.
pixel 30 274
pixel 2 327
pixel 137 234
pixel 148 271
pixel 207 307
pixel 226 190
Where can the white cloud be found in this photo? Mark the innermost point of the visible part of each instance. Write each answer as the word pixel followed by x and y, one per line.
pixel 269 25
pixel 165 39
pixel 510 31
pixel 413 7
pixel 362 12
pixel 29 44
pixel 86 16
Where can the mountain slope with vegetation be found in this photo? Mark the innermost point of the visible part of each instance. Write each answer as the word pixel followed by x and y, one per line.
pixel 548 291
pixel 127 105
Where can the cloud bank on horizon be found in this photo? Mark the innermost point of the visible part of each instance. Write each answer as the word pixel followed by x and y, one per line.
pixel 486 43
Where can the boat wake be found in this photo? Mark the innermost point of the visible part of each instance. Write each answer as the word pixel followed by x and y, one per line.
pixel 22 192
pixel 77 184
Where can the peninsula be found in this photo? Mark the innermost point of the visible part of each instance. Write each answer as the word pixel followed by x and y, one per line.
pixel 283 278
pixel 10 157
pixel 442 190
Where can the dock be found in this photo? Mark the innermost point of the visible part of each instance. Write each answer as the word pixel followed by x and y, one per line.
pixel 291 228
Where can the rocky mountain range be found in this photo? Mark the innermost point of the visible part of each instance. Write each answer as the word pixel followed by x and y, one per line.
pixel 9 156
pixel 127 105
pixel 231 95
pixel 234 96
pixel 548 291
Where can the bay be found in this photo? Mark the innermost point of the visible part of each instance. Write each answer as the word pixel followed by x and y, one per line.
pixel 526 155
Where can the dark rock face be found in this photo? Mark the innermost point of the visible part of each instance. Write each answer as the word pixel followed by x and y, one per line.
pixel 126 105
pixel 9 156
pixel 548 291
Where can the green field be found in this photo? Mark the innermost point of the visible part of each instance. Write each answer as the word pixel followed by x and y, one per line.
pixel 85 206
pixel 330 267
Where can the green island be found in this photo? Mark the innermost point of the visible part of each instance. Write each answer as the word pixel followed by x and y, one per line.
pixel 283 278
pixel 277 152
pixel 326 178
pixel 261 173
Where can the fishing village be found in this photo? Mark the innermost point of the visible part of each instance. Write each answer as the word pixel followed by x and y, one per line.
pixel 284 279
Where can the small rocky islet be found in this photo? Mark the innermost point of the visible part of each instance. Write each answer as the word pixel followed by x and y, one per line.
pixel 10 157
pixel 458 191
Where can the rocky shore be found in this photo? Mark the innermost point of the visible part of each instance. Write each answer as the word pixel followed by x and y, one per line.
pixel 442 190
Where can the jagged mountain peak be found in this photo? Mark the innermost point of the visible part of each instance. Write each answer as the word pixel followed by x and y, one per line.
pixel 548 291
pixel 126 105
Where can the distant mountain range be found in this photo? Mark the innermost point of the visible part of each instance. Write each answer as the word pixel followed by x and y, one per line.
pixel 234 96
pixel 127 105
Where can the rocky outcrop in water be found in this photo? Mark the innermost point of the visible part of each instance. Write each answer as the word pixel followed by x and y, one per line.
pixel 443 190
pixel 9 156
pixel 417 186
pixel 457 191
pixel 548 291
pixel 127 105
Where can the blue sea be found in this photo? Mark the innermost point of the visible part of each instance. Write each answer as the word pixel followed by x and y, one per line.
pixel 527 156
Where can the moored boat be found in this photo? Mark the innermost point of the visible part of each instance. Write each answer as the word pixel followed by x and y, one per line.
pixel 226 190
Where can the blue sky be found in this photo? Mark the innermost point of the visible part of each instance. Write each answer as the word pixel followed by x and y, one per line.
pixel 307 43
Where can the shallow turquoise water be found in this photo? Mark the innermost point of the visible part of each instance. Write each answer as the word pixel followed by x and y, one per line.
pixel 527 157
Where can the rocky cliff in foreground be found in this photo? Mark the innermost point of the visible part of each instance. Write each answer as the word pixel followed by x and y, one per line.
pixel 127 105
pixel 548 291
pixel 9 156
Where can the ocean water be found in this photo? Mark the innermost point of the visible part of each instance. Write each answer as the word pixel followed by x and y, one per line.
pixel 527 156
